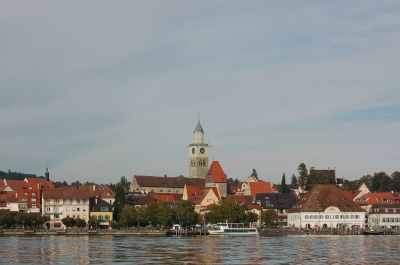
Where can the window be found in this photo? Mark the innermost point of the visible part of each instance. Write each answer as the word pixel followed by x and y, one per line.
pixel 30 188
pixel 77 209
pixel 78 201
pixel 103 209
pixel 306 217
pixel 84 216
pixel 107 217
pixel 77 216
pixel 73 216
pixel 73 209
pixel 100 217
pixel 84 209
pixel 94 216
pixel 33 199
pixel 326 216
pixel 394 210
pixel 67 209
pixel 357 217
pixel 47 209
pixel 26 193
pixel 33 193
pixel 22 206
pixel 386 210
pixel 22 199
pixel 34 206
pixel 336 216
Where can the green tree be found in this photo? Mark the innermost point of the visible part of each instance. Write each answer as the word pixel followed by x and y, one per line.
pixel 350 185
pixel 251 218
pixel 284 187
pixel 269 217
pixel 93 223
pixel 294 180
pixel 165 214
pixel 184 211
pixel 367 180
pixel 80 222
pixel 381 182
pixel 229 211
pixel 396 181
pixel 303 175
pixel 119 202
pixel 76 183
pixel 140 216
pixel 68 221
pixel 124 183
pixel 7 220
pixel 127 217
pixel 316 177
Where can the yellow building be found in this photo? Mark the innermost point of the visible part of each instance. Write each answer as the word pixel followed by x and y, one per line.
pixel 201 196
pixel 101 211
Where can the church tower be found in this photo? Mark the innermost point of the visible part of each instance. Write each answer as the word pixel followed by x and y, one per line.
pixel 198 154
pixel 47 174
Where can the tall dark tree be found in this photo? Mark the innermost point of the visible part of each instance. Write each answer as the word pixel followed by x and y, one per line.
pixel 284 187
pixel 303 175
pixel 294 180
pixel 124 183
pixel 396 181
pixel 184 211
pixel 119 202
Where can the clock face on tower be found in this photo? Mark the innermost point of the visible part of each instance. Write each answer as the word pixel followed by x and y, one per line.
pixel 202 150
pixel 193 150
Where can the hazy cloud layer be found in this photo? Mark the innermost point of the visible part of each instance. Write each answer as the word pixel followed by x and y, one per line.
pixel 100 90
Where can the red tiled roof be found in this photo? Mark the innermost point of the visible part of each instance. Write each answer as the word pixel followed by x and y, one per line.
pixel 14 184
pixel 351 193
pixel 260 187
pixel 56 193
pixel 45 183
pixel 253 206
pixel 217 173
pixel 241 198
pixel 378 198
pixel 321 197
pixel 167 182
pixel 197 194
pixel 166 197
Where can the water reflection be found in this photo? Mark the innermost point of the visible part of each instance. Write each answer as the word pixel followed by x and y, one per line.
pixel 311 249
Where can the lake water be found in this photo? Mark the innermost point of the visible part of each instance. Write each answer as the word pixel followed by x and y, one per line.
pixel 302 249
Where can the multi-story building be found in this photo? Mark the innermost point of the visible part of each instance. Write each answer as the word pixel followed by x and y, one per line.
pixel 61 203
pixel 325 206
pixel 384 215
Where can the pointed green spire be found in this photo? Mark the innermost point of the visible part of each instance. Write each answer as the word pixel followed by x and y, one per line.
pixel 198 127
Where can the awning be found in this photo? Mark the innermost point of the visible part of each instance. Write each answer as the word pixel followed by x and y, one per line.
pixel 104 223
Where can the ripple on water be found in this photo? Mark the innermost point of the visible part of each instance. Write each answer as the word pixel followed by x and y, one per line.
pixel 302 249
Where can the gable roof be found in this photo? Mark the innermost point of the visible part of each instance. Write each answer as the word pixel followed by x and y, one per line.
pixel 167 182
pixel 321 197
pixel 217 173
pixel 260 187
pixel 378 198
pixel 96 203
pixel 13 184
pixel 56 193
pixel 197 194
pixel 43 182
pixel 352 193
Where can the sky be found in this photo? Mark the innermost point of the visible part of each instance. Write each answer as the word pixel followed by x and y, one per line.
pixel 96 90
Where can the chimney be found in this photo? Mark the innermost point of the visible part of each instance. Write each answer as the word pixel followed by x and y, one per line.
pixel 95 201
pixel 94 187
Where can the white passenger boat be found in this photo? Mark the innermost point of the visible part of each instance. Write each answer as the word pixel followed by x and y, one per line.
pixel 232 229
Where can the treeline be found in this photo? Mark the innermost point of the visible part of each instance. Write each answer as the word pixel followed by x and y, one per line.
pixel 15 175
pixel 10 221
pixel 379 182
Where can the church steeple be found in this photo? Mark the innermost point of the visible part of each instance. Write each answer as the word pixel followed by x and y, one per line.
pixel 198 154
pixel 47 174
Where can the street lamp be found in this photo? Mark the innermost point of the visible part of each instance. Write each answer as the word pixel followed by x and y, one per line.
pixel 23 226
pixel 34 224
